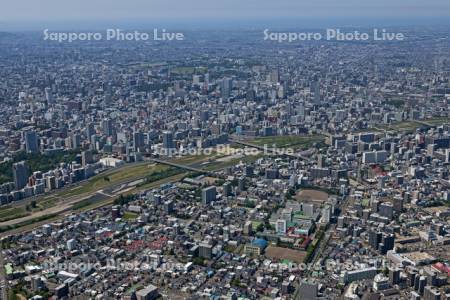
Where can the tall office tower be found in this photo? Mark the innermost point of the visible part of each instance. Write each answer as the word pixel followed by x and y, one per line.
pixel 394 276
pixel 315 88
pixel 76 141
pixel 208 195
pixel 227 189
pixel 48 95
pixel 204 115
pixel 388 243
pixel 107 126
pixel 308 290
pixel 280 92
pixel 90 130
pixel 149 140
pixel 108 93
pixel 168 140
pixel 431 293
pixel 321 161
pixel 386 209
pixel 93 142
pixel 301 109
pixel 31 142
pixel 138 142
pixel 20 174
pixel 374 239
pixel 250 95
pixel 206 83
pixel 226 86
pixel 275 76
pixel 86 158
pixel 196 79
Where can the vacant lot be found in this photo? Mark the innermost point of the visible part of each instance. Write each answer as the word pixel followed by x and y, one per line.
pixel 312 196
pixel 285 253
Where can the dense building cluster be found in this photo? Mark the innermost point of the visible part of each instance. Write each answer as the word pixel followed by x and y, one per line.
pixel 225 169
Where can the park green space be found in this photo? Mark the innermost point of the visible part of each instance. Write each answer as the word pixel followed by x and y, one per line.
pixel 152 173
pixel 116 176
pixel 437 121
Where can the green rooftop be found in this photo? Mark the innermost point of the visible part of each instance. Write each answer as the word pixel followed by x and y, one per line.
pixel 9 269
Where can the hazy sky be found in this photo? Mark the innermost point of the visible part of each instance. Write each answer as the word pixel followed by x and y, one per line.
pixel 201 10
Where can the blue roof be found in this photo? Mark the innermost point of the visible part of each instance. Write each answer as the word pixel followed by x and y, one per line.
pixel 261 243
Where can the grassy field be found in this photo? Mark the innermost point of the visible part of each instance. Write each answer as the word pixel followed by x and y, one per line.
pixel 255 224
pixel 188 70
pixel 405 126
pixel 128 215
pixel 8 213
pixel 84 206
pixel 217 165
pixel 437 121
pixel 96 183
pixel 294 141
pixel 120 175
pixel 29 222
pixel 44 204
pixel 410 126
pixel 127 173
pixel 101 181
pixel 186 160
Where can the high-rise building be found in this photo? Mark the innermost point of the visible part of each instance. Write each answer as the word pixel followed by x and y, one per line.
pixel 20 174
pixel 308 290
pixel 90 130
pixel 321 161
pixel 205 250
pixel 250 95
pixel 208 195
pixel 168 140
pixel 48 95
pixel 227 189
pixel 447 155
pixel 394 276
pixel 148 293
pixel 247 228
pixel 431 293
pixel 86 158
pixel 387 243
pixel 315 88
pixel 241 183
pixel 138 142
pixel 31 142
pixel 76 141
pixel 275 76
pixel 249 171
pixel 204 115
pixel 225 87
pixel 374 239
pixel 281 226
pixel 107 126
pixel 386 209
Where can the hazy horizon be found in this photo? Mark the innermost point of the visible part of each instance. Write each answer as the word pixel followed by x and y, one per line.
pixel 21 14
pixel 224 23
